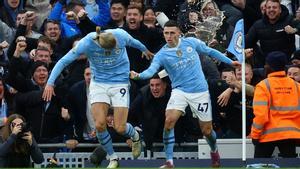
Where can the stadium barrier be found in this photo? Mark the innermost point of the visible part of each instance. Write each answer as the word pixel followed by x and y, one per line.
pixel 232 149
pixel 228 148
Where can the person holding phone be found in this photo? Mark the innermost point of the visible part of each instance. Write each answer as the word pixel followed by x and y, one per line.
pixel 17 144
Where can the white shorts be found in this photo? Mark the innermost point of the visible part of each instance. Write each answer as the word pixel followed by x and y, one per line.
pixel 199 103
pixel 116 95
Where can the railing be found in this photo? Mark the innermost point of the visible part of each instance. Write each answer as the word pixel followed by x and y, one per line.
pixel 228 148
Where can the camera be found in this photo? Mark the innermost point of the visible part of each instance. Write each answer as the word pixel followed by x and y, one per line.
pixel 24 128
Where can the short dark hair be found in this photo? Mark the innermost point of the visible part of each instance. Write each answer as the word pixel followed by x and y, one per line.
pixel 43 49
pixel 122 2
pixel 51 21
pixel 293 66
pixel 171 23
pixel 46 39
pixel 135 7
pixel 22 11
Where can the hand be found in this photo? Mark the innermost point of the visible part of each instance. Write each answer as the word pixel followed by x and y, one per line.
pixel 92 134
pixel 213 43
pixel 129 142
pixel 30 16
pixel 12 90
pixel 4 45
pixel 149 55
pixel 134 75
pixel 32 53
pixel 65 114
pixel 71 15
pixel 224 97
pixel 236 64
pixel 16 129
pixel 71 143
pixel 255 141
pixel 28 137
pixel 290 30
pixel 239 3
pixel 48 93
pixel 82 14
pixel 248 52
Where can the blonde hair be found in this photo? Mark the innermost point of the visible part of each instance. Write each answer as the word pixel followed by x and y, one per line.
pixel 106 39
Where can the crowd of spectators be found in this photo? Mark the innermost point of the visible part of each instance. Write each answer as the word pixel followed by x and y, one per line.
pixel 34 35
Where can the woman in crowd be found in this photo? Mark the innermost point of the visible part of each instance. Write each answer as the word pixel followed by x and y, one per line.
pixel 17 144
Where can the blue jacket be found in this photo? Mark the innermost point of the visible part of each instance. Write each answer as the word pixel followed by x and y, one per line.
pixel 69 27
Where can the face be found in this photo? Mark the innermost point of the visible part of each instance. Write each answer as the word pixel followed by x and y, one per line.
pixel 298 14
pixel 263 7
pixel 40 75
pixel 227 75
pixel 294 73
pixel 77 8
pixel 248 74
pixel 296 62
pixel 193 17
pixel 52 31
pixel 117 12
pixel 46 45
pixel 171 35
pixel 158 88
pixel 16 122
pixel 13 3
pixel 149 16
pixel 137 3
pixel 87 75
pixel 273 11
pixel 133 19
pixel 110 120
pixel 209 10
pixel 19 18
pixel 43 56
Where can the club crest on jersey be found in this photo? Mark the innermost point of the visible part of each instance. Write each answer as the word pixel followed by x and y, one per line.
pixel 118 51
pixel 189 49
pixel 179 53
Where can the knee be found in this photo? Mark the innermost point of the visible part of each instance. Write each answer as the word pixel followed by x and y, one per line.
pixel 100 126
pixel 169 123
pixel 206 131
pixel 120 129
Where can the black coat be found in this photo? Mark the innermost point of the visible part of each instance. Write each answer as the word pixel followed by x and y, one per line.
pixel 77 100
pixel 8 158
pixel 150 113
pixel 45 121
pixel 271 36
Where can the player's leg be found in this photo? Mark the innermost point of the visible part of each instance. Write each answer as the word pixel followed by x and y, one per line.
pixel 120 102
pixel 174 110
pixel 200 104
pixel 100 105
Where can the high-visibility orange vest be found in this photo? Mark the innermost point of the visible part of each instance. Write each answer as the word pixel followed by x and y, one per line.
pixel 276 106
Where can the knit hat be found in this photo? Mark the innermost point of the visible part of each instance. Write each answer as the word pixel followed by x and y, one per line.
pixel 37 64
pixel 276 60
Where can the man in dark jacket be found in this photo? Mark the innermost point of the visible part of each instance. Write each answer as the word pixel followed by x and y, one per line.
pixel 275 31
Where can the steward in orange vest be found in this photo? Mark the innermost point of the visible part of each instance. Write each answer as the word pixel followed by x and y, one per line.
pixel 276 106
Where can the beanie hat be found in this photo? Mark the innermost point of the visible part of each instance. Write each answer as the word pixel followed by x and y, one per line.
pixel 37 64
pixel 277 60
